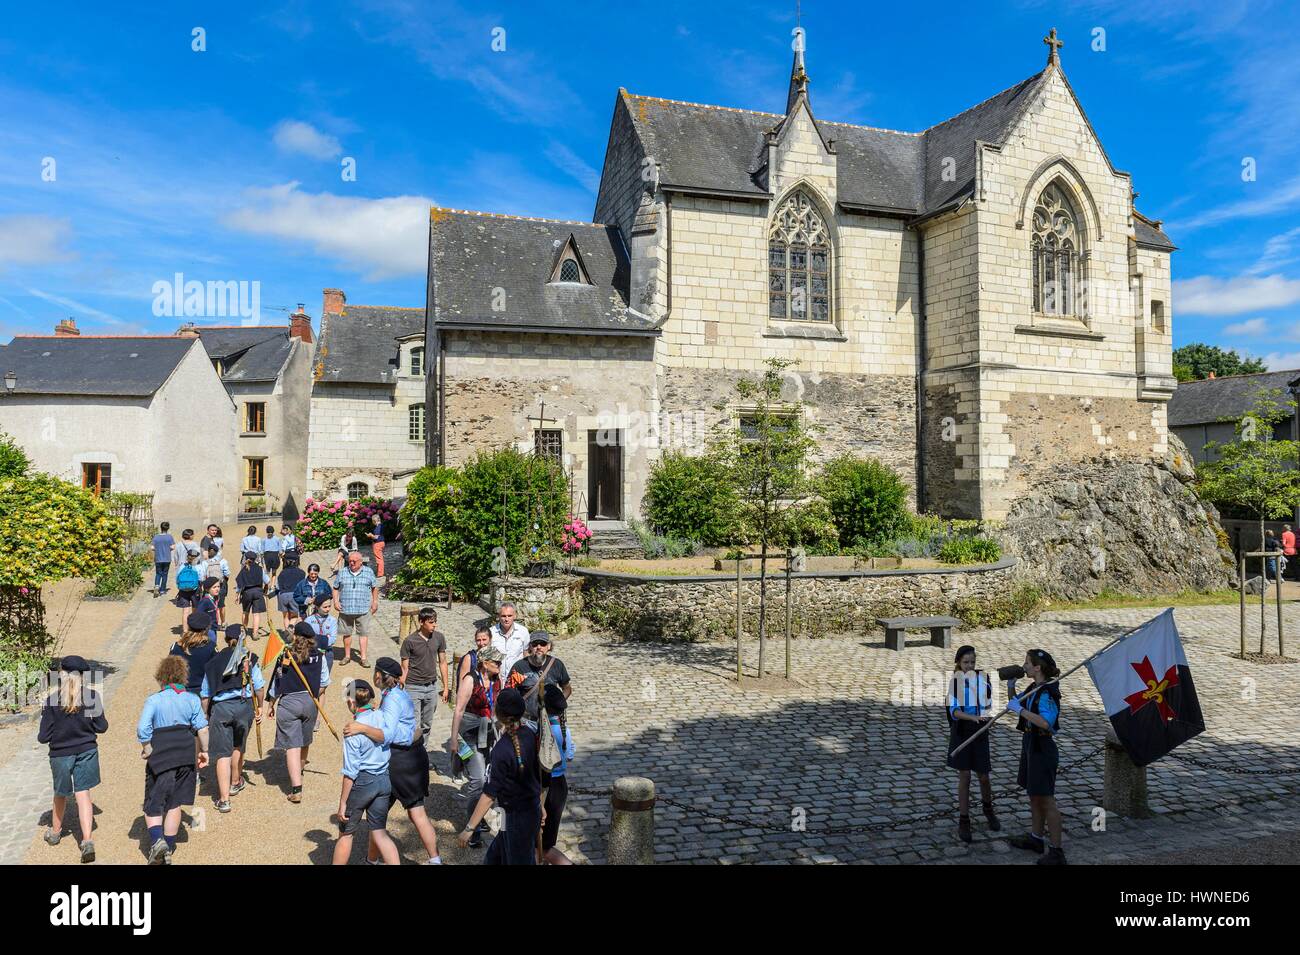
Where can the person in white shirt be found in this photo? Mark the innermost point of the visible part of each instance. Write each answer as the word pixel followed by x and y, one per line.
pixel 251 544
pixel 508 636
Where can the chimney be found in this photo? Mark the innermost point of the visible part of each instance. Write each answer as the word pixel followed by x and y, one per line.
pixel 334 302
pixel 66 329
pixel 188 330
pixel 300 325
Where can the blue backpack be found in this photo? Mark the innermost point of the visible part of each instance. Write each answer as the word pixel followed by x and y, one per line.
pixel 187 578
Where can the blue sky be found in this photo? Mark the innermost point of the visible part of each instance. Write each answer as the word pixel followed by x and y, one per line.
pixel 226 164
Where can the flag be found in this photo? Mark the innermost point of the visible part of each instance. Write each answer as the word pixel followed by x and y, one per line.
pixel 1147 691
pixel 274 647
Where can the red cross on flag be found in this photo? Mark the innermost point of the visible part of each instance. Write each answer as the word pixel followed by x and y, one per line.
pixel 1146 688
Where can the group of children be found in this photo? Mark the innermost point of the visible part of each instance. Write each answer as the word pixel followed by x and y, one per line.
pixel 209 701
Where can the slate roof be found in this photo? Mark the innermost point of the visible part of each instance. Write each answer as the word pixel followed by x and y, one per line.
pixel 1148 233
pixel 1217 399
pixel 89 365
pixel 473 253
pixel 248 352
pixel 721 150
pixel 360 346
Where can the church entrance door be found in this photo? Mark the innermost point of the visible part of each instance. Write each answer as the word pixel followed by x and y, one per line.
pixel 605 475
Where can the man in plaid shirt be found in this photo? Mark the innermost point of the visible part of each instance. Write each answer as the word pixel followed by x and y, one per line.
pixel 356 590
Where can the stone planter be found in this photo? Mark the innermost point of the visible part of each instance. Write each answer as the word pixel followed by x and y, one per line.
pixel 553 604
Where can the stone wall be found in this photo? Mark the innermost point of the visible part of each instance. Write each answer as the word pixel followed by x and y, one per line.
pixel 552 604
pixel 695 608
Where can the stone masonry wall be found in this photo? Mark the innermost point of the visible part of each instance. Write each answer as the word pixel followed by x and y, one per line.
pixel 695 608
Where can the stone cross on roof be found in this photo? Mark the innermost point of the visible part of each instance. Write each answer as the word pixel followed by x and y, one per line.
pixel 1055 44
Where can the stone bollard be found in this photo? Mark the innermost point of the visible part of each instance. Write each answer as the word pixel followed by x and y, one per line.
pixel 631 838
pixel 1125 790
pixel 407 624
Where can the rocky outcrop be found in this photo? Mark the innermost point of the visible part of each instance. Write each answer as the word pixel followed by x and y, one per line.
pixel 1114 524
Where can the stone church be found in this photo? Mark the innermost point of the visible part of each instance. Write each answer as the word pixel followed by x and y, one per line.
pixel 973 304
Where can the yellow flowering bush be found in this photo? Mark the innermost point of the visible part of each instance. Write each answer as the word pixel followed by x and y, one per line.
pixel 51 529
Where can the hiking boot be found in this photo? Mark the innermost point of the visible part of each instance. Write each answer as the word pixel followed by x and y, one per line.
pixel 160 853
pixel 1029 842
pixel 365 664
pixel 238 788
pixel 223 805
pixel 994 823
pixel 963 828
pixel 1054 856
pixel 87 851
pixel 295 794
pixel 52 836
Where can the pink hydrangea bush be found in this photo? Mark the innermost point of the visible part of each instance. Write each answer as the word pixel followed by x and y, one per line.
pixel 574 536
pixel 323 522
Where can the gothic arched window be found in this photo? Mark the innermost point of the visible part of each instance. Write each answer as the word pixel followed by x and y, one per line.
pixel 1060 256
pixel 798 263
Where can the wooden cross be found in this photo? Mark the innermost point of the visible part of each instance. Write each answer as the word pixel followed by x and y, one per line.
pixel 1054 43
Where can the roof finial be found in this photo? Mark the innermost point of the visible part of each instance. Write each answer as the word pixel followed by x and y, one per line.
pixel 798 75
pixel 1055 55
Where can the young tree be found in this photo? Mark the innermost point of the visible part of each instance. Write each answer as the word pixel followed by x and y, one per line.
pixel 766 460
pixel 1257 472
pixel 13 459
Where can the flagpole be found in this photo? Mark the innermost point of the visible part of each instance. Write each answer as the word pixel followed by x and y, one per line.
pixel 1019 696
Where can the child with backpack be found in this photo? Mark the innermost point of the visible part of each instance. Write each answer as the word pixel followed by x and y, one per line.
pixel 556 749
pixel 514 782
pixel 71 721
pixel 216 566
pixel 970 705
pixel 188 581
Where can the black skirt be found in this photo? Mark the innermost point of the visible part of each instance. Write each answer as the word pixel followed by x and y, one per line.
pixel 974 757
pixel 1038 761
pixel 408 773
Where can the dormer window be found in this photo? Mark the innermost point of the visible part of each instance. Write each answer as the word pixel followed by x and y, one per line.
pixel 417 360
pixel 569 269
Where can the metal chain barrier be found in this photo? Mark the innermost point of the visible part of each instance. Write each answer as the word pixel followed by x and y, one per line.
pixel 1234 770
pixel 744 823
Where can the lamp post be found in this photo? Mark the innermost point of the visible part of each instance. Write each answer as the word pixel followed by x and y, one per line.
pixel 11 382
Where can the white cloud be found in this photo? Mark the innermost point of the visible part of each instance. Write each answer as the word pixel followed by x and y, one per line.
pixel 1277 200
pixel 1282 361
pixel 75 306
pixel 34 239
pixel 566 159
pixel 388 237
pixel 1252 326
pixel 295 136
pixel 1207 295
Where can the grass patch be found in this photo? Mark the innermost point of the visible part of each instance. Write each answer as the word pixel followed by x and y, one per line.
pixel 1116 600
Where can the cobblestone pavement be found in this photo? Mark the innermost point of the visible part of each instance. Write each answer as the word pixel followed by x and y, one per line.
pixel 854 747
pixel 854 752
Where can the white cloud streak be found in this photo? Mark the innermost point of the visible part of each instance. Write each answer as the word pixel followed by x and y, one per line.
pixel 1207 295
pixel 295 136
pixel 34 240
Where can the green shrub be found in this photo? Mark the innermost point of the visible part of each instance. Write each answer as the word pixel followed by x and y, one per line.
pixel 1021 603
pixel 21 673
pixel 808 524
pixel 51 529
pixel 120 580
pixel 970 550
pixel 867 500
pixel 690 498
pixel 455 518
pixel 655 546
pixel 14 461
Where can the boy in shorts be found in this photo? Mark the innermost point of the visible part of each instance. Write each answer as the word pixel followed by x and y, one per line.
pixel 366 790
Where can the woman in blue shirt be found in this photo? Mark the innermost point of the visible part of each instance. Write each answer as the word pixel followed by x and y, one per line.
pixel 1039 709
pixel 970 705
pixel 168 725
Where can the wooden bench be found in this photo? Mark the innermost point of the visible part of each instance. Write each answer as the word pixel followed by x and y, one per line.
pixel 940 629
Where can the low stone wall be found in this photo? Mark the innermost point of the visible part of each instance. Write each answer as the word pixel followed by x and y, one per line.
pixel 553 604
pixel 698 608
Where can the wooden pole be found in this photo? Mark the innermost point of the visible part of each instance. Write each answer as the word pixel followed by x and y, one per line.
pixel 1263 589
pixel 789 564
pixel 1241 587
pixel 1279 608
pixel 739 561
pixel 287 652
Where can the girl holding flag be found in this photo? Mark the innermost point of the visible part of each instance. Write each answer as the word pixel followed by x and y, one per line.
pixel 1039 709
pixel 970 704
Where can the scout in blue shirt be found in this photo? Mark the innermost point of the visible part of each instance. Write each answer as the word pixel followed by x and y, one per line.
pixel 408 767
pixel 970 706
pixel 232 698
pixel 170 720
pixel 366 789
pixel 1039 709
